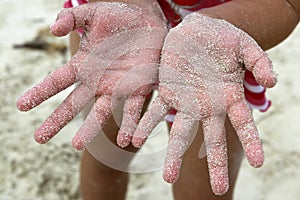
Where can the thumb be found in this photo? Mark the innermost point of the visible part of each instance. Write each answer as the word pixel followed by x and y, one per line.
pixel 72 18
pixel 64 23
pixel 263 72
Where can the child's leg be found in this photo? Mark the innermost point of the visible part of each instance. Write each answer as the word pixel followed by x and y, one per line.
pixel 193 182
pixel 99 181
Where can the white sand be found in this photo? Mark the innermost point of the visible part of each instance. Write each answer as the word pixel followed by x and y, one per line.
pixel 32 171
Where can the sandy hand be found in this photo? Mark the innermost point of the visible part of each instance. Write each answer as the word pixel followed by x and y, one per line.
pixel 117 59
pixel 201 76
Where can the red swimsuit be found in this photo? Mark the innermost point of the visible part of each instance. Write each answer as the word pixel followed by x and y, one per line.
pixel 175 11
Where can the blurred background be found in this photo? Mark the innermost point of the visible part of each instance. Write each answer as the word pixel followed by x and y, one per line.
pixel 28 170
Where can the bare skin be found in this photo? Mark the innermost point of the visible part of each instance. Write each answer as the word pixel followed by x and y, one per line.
pixel 268 22
pixel 185 187
pixel 190 170
pixel 206 57
pixel 100 66
pixel 284 26
pixel 99 181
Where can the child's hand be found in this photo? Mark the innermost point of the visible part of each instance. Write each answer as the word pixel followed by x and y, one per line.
pixel 117 58
pixel 201 76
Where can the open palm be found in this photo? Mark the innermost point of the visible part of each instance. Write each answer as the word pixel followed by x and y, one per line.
pixel 201 76
pixel 117 57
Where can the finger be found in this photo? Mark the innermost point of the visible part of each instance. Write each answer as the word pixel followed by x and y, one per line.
pixel 263 72
pixel 241 118
pixel 94 122
pixel 257 61
pixel 64 23
pixel 72 18
pixel 148 122
pixel 63 114
pixel 52 84
pixel 131 115
pixel 216 151
pixel 177 145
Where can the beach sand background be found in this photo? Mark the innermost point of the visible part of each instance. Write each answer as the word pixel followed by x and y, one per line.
pixel 49 172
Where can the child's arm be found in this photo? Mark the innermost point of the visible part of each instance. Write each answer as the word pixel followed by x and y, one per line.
pixel 267 21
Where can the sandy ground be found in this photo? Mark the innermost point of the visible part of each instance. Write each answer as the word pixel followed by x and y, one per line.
pixel 32 171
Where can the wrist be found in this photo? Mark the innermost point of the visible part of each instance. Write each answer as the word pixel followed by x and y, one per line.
pixel 151 6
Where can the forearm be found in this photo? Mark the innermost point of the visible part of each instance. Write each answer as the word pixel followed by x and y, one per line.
pixel 267 21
